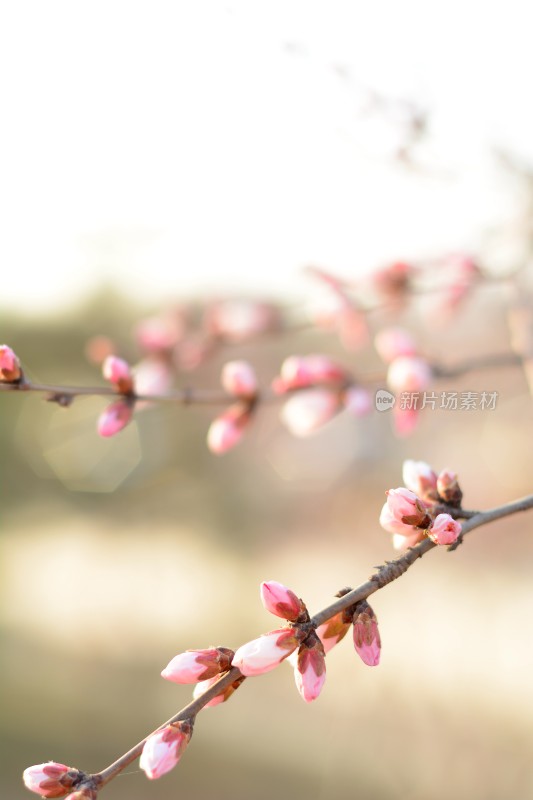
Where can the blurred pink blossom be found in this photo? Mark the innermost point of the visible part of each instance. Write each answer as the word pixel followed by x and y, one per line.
pixel 228 429
pixel 118 371
pixel 408 374
pixel 239 378
pixel 306 412
pixel 393 343
pixel 114 418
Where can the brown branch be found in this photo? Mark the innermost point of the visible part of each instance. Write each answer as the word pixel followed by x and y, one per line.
pixel 386 573
pixel 189 396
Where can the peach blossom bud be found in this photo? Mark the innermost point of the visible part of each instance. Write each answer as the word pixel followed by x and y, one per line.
pixel 310 670
pixel 448 488
pixel 227 430
pixel 405 507
pixel 238 320
pixel 445 529
pixel 265 653
pixel 163 749
pixel 331 632
pixel 198 665
pixel 159 333
pixel 280 601
pixel 366 638
pixel 420 478
pixel 114 418
pixel 408 374
pixel 357 401
pixel 118 371
pixel 392 343
pixel 224 695
pixel 10 371
pixel 152 377
pixel 238 378
pixel 389 522
pixel 405 420
pixel 393 280
pixel 50 779
pixel 301 371
pixel 98 348
pixel 309 410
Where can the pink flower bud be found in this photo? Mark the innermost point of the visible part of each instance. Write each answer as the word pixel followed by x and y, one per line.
pixel 448 488
pixel 198 665
pixel 280 601
pixel 405 420
pixel 238 378
pixel 163 749
pixel 392 343
pixel 394 280
pixel 10 370
pixel 152 377
pixel 445 529
pixel 309 410
pixel 239 320
pixel 357 401
pixel 156 334
pixel 405 507
pixel 50 779
pixel 408 374
pixel 114 418
pixel 298 372
pixel 265 653
pixel 224 695
pixel 420 478
pixel 390 523
pixel 118 371
pixel 331 632
pixel 228 429
pixel 366 638
pixel 310 670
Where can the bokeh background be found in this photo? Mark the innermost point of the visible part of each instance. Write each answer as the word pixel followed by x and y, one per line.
pixel 157 154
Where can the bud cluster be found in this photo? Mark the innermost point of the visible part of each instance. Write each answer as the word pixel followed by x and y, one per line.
pixel 412 512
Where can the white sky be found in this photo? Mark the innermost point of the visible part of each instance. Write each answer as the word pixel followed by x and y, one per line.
pixel 181 147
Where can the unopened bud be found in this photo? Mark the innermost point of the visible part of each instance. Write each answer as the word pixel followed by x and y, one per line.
pixel 310 669
pixel 198 665
pixel 228 429
pixel 238 378
pixel 449 489
pixel 118 372
pixel 10 371
pixel 405 507
pixel 50 779
pixel 366 638
pixel 163 749
pixel 420 479
pixel 114 418
pixel 331 632
pixel 265 653
pixel 280 601
pixel 306 412
pixel 444 530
